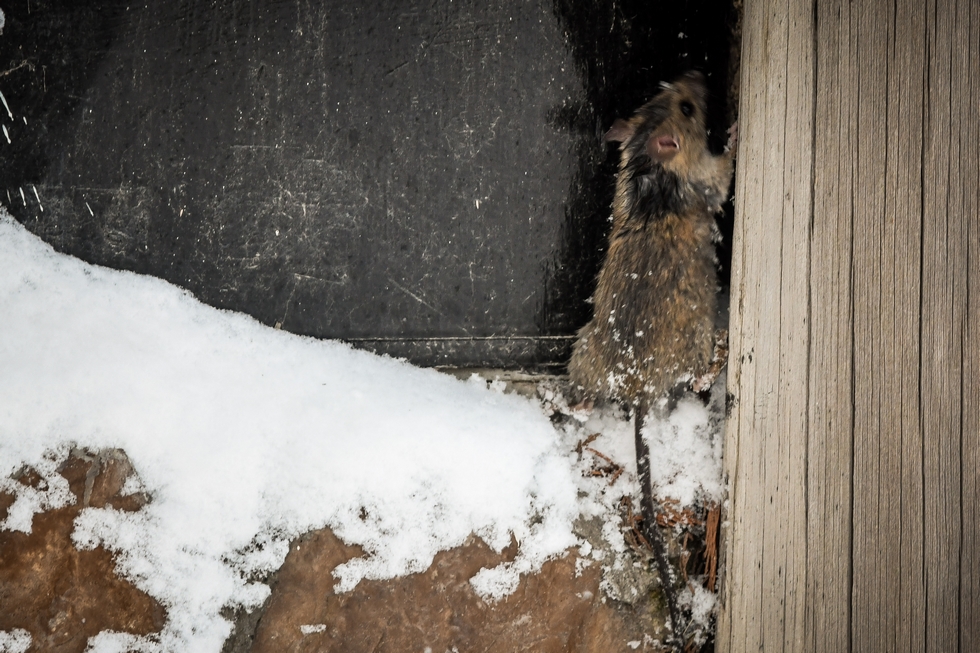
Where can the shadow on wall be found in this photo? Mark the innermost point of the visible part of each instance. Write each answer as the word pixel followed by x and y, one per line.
pixel 623 50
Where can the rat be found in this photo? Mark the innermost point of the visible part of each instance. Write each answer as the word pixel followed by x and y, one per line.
pixel 656 296
pixel 652 330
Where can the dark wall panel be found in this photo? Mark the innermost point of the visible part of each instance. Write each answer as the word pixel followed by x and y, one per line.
pixel 424 178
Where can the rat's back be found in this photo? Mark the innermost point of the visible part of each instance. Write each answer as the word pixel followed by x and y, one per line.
pixel 656 296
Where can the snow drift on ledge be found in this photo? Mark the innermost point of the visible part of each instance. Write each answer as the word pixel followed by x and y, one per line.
pixel 246 437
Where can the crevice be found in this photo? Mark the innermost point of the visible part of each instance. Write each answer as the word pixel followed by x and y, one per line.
pixel 853 160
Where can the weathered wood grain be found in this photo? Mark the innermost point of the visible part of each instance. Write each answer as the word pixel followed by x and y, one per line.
pixel 741 563
pixel 797 203
pixel 967 73
pixel 942 320
pixel 767 526
pixel 871 540
pixel 903 240
pixel 830 418
pixel 854 444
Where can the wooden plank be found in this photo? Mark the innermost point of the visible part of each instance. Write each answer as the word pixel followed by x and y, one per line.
pixel 942 315
pixel 969 617
pixel 794 348
pixel 740 587
pixel 888 408
pixel 903 217
pixel 766 346
pixel 872 622
pixel 963 211
pixel 828 608
pixel 763 593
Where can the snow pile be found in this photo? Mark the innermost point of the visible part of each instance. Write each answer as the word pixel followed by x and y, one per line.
pixel 685 449
pixel 246 437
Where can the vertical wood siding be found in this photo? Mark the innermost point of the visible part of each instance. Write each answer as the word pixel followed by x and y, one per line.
pixel 853 442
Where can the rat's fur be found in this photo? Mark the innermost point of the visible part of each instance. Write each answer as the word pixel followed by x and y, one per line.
pixel 655 301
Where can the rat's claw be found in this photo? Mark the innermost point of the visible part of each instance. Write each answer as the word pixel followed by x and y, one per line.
pixel 732 139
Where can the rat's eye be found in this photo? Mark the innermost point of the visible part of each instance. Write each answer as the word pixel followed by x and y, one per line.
pixel 687 108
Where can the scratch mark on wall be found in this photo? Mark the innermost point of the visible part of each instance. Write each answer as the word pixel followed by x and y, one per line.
pixel 6 106
pixel 414 296
pixel 20 65
pixel 398 67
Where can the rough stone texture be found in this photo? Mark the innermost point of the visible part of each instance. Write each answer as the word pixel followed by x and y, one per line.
pixel 557 610
pixel 63 596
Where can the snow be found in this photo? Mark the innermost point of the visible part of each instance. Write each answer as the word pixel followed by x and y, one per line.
pixel 246 437
pixel 701 603
pixel 16 641
pixel 309 629
pixel 687 466
pixel 685 448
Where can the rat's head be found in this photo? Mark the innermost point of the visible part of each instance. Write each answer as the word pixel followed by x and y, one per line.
pixel 669 130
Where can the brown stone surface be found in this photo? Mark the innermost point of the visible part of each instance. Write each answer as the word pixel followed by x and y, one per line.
pixel 553 611
pixel 63 596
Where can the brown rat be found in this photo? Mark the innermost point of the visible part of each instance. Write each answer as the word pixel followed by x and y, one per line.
pixel 655 301
pixel 656 297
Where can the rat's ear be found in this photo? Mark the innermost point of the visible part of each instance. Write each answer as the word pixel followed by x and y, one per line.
pixel 620 132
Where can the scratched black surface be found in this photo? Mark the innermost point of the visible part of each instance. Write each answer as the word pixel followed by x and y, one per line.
pixel 422 178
